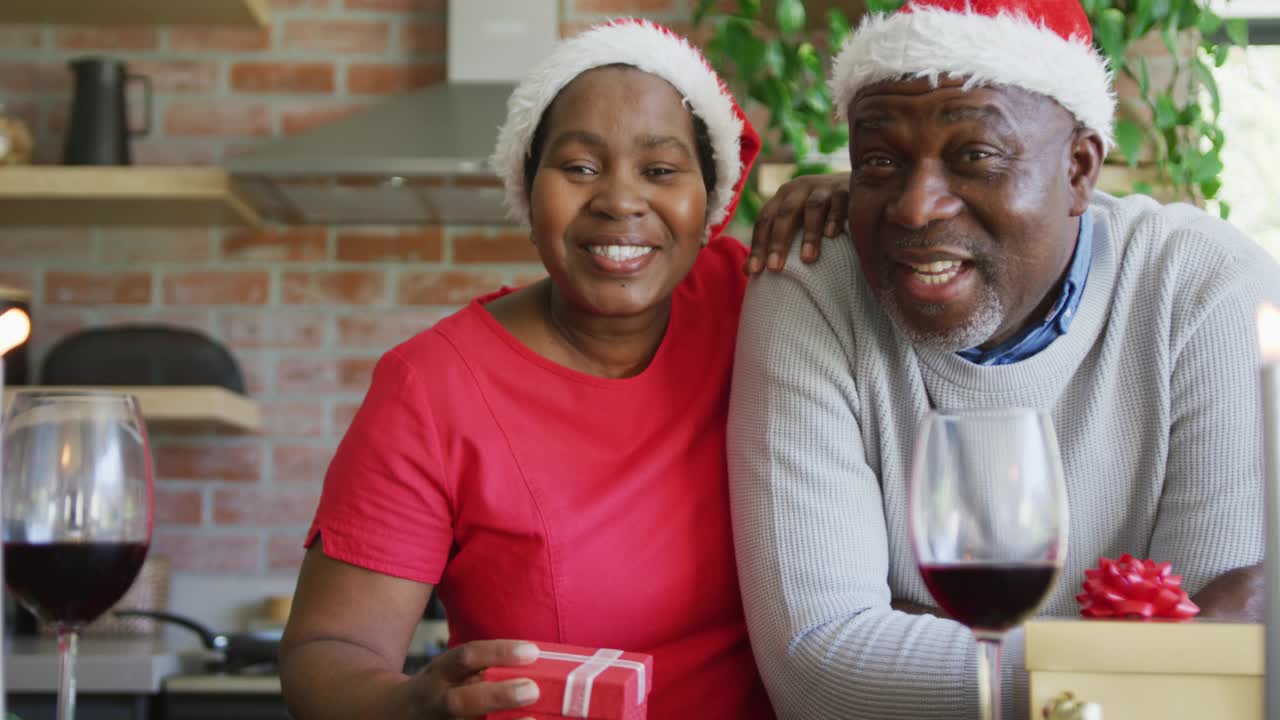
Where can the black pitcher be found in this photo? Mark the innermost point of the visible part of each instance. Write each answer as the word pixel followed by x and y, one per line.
pixel 99 131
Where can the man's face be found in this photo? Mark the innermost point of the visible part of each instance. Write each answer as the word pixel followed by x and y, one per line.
pixel 963 204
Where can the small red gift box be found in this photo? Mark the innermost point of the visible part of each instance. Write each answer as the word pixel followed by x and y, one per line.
pixel 579 682
pixel 638 712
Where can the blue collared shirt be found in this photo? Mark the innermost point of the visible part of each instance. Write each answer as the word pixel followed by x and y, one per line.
pixel 1032 340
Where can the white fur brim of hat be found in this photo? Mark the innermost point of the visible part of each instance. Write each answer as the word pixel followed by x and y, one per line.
pixel 648 48
pixel 1004 49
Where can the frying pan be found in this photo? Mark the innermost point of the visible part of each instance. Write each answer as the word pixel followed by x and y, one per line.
pixel 239 650
pixel 242 650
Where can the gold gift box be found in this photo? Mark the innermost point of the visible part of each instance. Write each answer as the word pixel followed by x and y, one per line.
pixel 1142 670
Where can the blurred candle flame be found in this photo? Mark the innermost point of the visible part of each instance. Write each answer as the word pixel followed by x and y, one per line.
pixel 15 326
pixel 1269 331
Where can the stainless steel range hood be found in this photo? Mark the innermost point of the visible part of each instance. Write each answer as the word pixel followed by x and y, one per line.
pixel 413 159
pixel 417 158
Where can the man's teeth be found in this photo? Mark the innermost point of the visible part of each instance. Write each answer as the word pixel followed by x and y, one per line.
pixel 620 253
pixel 936 273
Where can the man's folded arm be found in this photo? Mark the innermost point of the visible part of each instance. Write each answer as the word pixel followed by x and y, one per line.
pixel 810 530
pixel 1210 516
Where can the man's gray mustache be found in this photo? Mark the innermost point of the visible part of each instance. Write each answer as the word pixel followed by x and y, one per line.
pixel 938 240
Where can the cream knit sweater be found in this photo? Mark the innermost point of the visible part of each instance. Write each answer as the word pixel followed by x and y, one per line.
pixel 1154 393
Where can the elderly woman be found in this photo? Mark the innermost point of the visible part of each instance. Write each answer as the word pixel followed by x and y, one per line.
pixel 553 457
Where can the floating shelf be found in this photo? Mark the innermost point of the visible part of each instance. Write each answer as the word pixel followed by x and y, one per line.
pixel 233 13
pixel 195 405
pixel 137 196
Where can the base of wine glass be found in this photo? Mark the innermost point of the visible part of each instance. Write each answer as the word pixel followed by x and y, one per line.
pixel 68 641
pixel 990 697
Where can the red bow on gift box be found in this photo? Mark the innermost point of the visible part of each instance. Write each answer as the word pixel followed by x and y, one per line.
pixel 1129 587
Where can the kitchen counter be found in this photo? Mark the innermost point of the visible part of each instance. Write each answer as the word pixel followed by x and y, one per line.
pixel 103 665
pixel 224 684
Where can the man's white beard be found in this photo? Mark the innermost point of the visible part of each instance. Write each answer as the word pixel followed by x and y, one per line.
pixel 979 328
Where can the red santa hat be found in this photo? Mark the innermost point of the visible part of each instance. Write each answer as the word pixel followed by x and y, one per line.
pixel 1044 46
pixel 654 49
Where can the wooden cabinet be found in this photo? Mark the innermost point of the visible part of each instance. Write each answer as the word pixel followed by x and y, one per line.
pixel 132 195
pixel 186 406
pixel 232 13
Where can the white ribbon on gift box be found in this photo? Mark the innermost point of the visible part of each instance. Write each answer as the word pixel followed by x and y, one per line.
pixel 577 686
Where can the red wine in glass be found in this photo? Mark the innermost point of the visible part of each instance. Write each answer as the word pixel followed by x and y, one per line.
pixel 989 523
pixel 989 596
pixel 76 506
pixel 71 583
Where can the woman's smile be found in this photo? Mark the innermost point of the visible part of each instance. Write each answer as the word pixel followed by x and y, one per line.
pixel 621 259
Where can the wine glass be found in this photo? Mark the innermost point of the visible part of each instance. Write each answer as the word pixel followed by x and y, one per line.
pixel 76 501
pixel 988 514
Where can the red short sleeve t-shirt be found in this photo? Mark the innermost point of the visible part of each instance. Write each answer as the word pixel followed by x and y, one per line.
pixel 556 506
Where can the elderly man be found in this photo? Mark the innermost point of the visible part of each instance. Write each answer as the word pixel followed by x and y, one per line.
pixel 985 271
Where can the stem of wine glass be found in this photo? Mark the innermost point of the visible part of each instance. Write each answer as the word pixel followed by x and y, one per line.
pixel 68 638
pixel 989 647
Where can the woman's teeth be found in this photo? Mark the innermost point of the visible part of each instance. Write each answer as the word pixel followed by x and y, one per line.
pixel 620 253
pixel 936 273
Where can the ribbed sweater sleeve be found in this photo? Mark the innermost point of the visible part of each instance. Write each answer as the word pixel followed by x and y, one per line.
pixel 810 530
pixel 1212 483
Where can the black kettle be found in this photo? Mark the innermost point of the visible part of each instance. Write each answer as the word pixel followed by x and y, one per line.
pixel 99 132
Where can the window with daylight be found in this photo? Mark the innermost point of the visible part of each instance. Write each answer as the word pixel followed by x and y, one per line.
pixel 1250 87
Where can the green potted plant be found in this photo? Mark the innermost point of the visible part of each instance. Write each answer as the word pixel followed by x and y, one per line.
pixel 1163 53
pixel 774 58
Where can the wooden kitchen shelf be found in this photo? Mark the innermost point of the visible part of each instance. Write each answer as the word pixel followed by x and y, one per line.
pixel 193 405
pixel 132 195
pixel 232 13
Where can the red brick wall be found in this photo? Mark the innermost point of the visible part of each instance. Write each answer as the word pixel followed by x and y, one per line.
pixel 306 311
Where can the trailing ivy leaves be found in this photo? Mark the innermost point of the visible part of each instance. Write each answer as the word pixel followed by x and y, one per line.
pixel 883 6
pixel 1129 138
pixel 783 68
pixel 1109 33
pixel 1166 111
pixel 1238 32
pixel 837 29
pixel 790 16
pixel 833 138
pixel 780 64
pixel 1208 23
pixel 1182 132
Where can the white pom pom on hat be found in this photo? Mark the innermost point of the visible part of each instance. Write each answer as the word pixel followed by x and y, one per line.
pixel 1044 46
pixel 654 49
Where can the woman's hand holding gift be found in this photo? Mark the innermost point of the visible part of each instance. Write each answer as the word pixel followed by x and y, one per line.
pixel 451 686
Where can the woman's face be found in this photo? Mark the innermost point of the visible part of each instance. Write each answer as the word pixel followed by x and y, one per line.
pixel 618 206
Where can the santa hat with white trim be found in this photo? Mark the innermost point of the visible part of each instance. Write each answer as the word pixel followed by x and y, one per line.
pixel 1044 46
pixel 654 49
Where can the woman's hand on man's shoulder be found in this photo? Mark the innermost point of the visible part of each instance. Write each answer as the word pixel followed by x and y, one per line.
pixel 818 205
